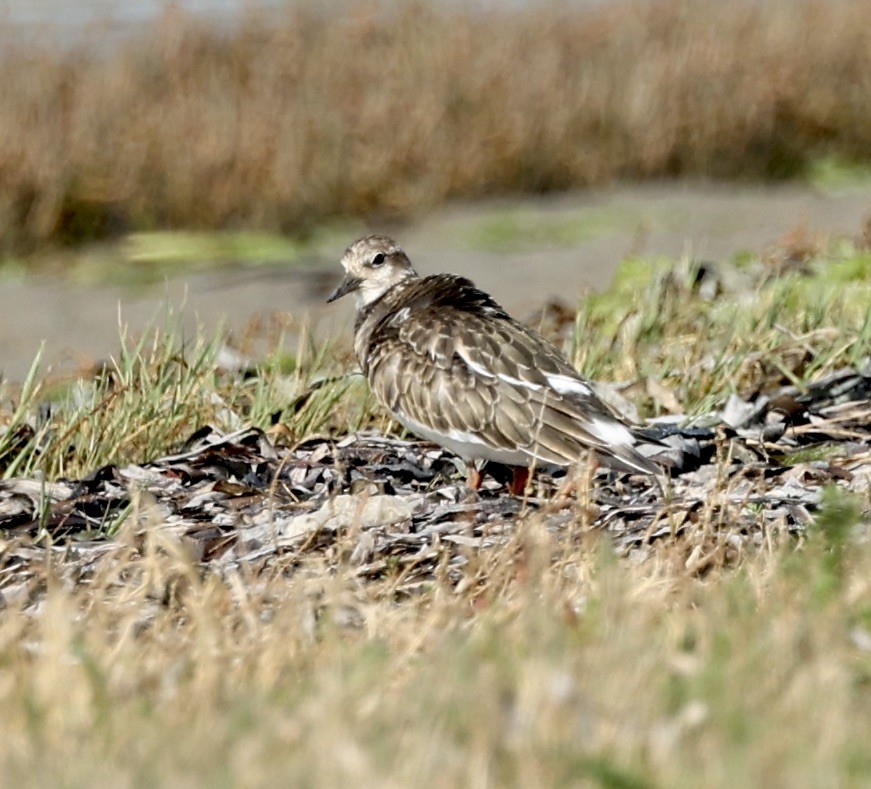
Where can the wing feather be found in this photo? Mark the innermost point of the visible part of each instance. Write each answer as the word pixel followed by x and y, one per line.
pixel 459 362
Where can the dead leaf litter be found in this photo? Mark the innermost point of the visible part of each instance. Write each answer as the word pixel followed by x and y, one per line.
pixel 385 505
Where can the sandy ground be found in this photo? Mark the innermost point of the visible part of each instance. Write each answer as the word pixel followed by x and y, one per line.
pixel 524 252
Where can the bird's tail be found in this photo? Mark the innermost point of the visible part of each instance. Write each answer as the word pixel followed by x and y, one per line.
pixel 674 448
pixel 631 460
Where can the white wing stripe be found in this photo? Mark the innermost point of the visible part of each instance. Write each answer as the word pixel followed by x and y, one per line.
pixel 565 384
pixel 610 432
pixel 473 365
pixel 518 382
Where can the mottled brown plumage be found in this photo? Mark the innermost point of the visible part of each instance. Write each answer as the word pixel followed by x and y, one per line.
pixel 452 366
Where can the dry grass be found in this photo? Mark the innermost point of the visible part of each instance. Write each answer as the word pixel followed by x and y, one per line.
pixel 387 108
pixel 549 664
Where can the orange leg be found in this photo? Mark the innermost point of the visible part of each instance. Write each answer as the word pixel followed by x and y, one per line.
pixel 519 478
pixel 473 477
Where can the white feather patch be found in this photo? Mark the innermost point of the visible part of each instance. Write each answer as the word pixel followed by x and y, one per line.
pixel 474 366
pixel 400 317
pixel 565 384
pixel 509 379
pixel 610 432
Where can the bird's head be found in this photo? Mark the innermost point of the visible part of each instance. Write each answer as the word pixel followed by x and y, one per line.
pixel 373 265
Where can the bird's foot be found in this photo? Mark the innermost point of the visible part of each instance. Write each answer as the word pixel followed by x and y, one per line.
pixel 519 480
pixel 474 477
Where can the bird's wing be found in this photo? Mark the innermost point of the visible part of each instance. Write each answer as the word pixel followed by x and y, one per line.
pixel 481 374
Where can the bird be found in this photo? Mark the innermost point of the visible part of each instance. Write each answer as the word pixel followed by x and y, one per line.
pixel 454 368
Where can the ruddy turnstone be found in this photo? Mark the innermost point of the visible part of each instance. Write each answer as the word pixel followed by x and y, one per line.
pixel 454 368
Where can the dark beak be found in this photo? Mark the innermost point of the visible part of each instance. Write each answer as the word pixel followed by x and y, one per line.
pixel 348 285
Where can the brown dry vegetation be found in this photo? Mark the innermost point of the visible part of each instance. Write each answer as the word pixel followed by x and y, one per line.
pixel 551 664
pixel 386 108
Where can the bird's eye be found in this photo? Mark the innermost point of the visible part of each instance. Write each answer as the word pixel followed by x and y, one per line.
pixel 378 260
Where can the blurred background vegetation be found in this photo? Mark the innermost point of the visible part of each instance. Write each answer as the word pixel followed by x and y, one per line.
pixel 210 133
pixel 298 112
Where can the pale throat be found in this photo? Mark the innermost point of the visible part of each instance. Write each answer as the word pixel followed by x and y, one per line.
pixel 366 294
pixel 372 291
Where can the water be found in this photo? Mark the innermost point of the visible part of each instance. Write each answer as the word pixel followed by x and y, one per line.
pixel 65 21
pixel 71 20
